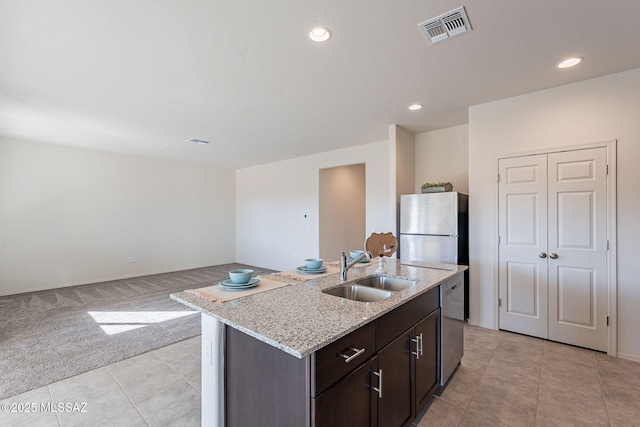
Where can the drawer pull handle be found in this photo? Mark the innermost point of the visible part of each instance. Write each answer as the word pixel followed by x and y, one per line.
pixel 418 352
pixel 357 353
pixel 379 388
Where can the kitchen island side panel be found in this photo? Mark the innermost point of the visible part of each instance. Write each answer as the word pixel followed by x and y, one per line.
pixel 212 372
pixel 264 385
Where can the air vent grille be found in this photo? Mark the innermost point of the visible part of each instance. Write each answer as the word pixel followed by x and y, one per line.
pixel 445 26
pixel 197 141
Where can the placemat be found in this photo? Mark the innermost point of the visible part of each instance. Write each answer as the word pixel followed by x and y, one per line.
pixel 218 294
pixel 294 275
pixel 358 265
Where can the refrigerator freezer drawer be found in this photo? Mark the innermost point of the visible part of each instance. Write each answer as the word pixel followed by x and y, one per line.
pixel 443 249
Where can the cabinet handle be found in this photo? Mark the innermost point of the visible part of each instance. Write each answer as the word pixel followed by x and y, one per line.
pixel 379 388
pixel 542 255
pixel 421 352
pixel 553 256
pixel 417 352
pixel 357 353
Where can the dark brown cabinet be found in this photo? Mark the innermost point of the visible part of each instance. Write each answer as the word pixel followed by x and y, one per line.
pixel 342 356
pixel 350 402
pixel 427 362
pixel 409 366
pixel 395 406
pixel 381 374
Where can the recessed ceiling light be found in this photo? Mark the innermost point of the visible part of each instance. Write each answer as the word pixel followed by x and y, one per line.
pixel 415 107
pixel 569 62
pixel 320 34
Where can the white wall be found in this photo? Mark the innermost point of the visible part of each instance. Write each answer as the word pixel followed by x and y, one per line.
pixel 595 110
pixel 272 199
pixel 443 155
pixel 402 176
pixel 71 216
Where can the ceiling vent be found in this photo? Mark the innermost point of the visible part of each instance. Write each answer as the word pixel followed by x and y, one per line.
pixel 446 25
pixel 197 141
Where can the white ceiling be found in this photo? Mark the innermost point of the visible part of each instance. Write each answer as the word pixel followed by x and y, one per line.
pixel 143 76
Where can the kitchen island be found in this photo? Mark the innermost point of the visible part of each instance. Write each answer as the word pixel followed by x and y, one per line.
pixel 263 349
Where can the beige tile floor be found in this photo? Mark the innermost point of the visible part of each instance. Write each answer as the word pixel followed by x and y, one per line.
pixel 158 388
pixel 508 379
pixel 504 380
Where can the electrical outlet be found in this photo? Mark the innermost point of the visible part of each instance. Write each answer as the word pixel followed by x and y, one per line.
pixel 133 258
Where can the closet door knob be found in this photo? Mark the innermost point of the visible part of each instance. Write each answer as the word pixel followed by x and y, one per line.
pixel 553 256
pixel 542 254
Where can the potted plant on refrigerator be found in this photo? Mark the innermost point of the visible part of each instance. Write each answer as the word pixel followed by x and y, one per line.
pixel 436 187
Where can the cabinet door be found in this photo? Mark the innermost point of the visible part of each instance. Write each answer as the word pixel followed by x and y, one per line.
pixel 427 363
pixel 394 407
pixel 349 402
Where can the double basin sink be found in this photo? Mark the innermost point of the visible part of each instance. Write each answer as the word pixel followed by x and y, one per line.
pixel 371 288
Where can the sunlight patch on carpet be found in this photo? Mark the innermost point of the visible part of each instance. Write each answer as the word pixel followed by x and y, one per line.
pixel 116 322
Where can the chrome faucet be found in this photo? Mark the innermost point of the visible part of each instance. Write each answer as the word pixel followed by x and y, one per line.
pixel 344 266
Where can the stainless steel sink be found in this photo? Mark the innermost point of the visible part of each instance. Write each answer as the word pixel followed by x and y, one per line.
pixel 358 293
pixel 388 283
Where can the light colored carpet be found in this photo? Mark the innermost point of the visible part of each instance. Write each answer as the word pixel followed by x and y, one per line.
pixel 50 335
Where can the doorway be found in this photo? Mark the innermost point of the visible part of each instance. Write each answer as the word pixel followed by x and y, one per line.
pixel 553 246
pixel 342 210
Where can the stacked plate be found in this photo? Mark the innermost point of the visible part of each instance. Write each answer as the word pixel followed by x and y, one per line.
pixel 230 286
pixel 306 270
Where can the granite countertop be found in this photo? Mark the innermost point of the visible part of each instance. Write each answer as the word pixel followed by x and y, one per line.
pixel 300 319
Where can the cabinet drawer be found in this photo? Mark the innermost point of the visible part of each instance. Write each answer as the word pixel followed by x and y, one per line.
pixel 337 359
pixel 404 317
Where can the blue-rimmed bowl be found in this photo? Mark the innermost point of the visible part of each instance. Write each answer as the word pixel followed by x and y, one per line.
pixel 313 263
pixel 240 276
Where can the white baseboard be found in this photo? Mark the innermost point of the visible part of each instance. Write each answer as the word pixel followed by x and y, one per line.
pixel 627 356
pixel 480 324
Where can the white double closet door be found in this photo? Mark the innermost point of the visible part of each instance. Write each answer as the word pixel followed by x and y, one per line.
pixel 553 246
